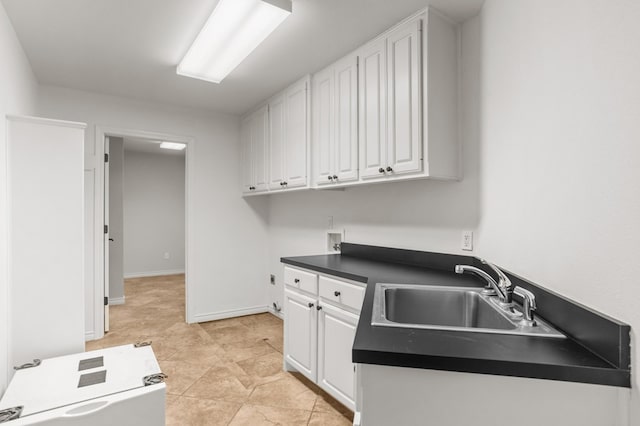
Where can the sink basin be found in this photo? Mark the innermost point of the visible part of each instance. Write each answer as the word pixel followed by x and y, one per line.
pixel 448 308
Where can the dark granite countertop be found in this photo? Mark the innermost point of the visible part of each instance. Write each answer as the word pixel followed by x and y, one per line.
pixel 498 354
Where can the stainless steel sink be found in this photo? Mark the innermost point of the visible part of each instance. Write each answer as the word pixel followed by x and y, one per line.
pixel 448 308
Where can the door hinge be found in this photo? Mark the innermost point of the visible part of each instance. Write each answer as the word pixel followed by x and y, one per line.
pixel 106 229
pixel 106 301
pixel 106 157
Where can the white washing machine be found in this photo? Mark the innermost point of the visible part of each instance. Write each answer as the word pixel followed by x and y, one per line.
pixel 118 386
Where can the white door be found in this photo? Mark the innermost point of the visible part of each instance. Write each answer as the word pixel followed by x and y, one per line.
pixel 336 371
pixel 404 137
pixel 106 234
pixel 259 140
pixel 323 129
pixel 301 333
pixel 346 119
pixel 372 109
pixel 247 163
pixel 276 142
pixel 296 135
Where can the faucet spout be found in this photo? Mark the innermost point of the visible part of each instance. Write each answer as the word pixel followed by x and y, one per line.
pixel 492 287
pixel 504 284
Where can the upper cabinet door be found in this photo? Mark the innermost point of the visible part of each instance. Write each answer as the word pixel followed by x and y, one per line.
pixel 259 148
pixel 247 166
pixel 276 142
pixel 404 136
pixel 346 119
pixel 296 135
pixel 323 126
pixel 373 109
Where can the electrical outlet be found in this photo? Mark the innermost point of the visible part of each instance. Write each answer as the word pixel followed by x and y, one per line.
pixel 272 279
pixel 166 255
pixel 467 240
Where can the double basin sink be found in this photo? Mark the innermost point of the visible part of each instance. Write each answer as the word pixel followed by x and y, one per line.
pixel 449 308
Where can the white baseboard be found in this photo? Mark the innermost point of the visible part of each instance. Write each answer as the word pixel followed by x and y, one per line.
pixel 230 314
pixel 153 273
pixel 116 301
pixel 276 313
pixel 89 335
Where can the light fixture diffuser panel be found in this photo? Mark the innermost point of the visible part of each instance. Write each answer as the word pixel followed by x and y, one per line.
pixel 173 145
pixel 232 32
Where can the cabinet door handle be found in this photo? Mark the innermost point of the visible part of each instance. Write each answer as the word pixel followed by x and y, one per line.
pixel 318 307
pixel 336 293
pixel 335 177
pixel 296 280
pixel 281 183
pixel 311 305
pixel 285 183
pixel 381 170
pixel 389 169
pixel 330 177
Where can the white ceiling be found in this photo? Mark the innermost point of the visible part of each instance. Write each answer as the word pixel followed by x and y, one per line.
pixel 131 47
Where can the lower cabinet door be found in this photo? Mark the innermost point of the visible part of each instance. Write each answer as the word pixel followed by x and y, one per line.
pixel 300 331
pixel 336 374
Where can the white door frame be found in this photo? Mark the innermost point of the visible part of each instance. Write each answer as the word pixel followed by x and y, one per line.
pixel 101 132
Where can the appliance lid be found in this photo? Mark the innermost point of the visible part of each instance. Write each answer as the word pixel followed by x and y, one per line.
pixel 61 381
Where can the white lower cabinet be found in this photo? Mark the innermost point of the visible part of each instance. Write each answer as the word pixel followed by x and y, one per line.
pixel 301 333
pixel 336 375
pixel 320 326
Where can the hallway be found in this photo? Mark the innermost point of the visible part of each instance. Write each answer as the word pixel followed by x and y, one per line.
pixel 226 372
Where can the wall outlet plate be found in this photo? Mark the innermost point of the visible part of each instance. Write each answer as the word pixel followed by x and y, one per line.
pixel 467 241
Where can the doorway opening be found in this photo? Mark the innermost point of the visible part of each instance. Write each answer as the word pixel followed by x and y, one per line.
pixel 142 252
pixel 146 219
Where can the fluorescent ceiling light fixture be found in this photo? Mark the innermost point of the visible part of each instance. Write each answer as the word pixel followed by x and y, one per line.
pixel 232 32
pixel 173 145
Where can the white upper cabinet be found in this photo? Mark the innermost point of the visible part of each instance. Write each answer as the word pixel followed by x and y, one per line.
pixel 335 123
pixel 390 97
pixel 289 137
pixel 254 138
pixel 388 111
pixel 346 121
pixel 276 142
pixel 408 91
pixel 296 135
pixel 245 140
pixel 323 135
pixel 373 107
pixel 404 137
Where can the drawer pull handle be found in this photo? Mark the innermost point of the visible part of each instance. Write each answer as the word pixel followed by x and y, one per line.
pixel 296 280
pixel 310 305
pixel 336 293
pixel 318 307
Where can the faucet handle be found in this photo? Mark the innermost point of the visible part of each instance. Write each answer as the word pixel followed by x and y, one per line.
pixel 528 306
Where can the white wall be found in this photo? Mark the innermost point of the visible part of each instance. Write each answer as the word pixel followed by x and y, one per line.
pixel 18 91
pixel 560 129
pixel 116 220
pixel 421 215
pixel 154 201
pixel 225 231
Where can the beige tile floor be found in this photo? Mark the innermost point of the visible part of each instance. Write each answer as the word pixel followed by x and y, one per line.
pixel 226 372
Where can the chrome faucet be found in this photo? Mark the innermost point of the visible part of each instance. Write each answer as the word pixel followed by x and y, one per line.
pixel 503 288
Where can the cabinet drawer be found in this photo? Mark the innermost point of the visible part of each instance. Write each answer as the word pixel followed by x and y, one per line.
pixel 341 292
pixel 305 281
